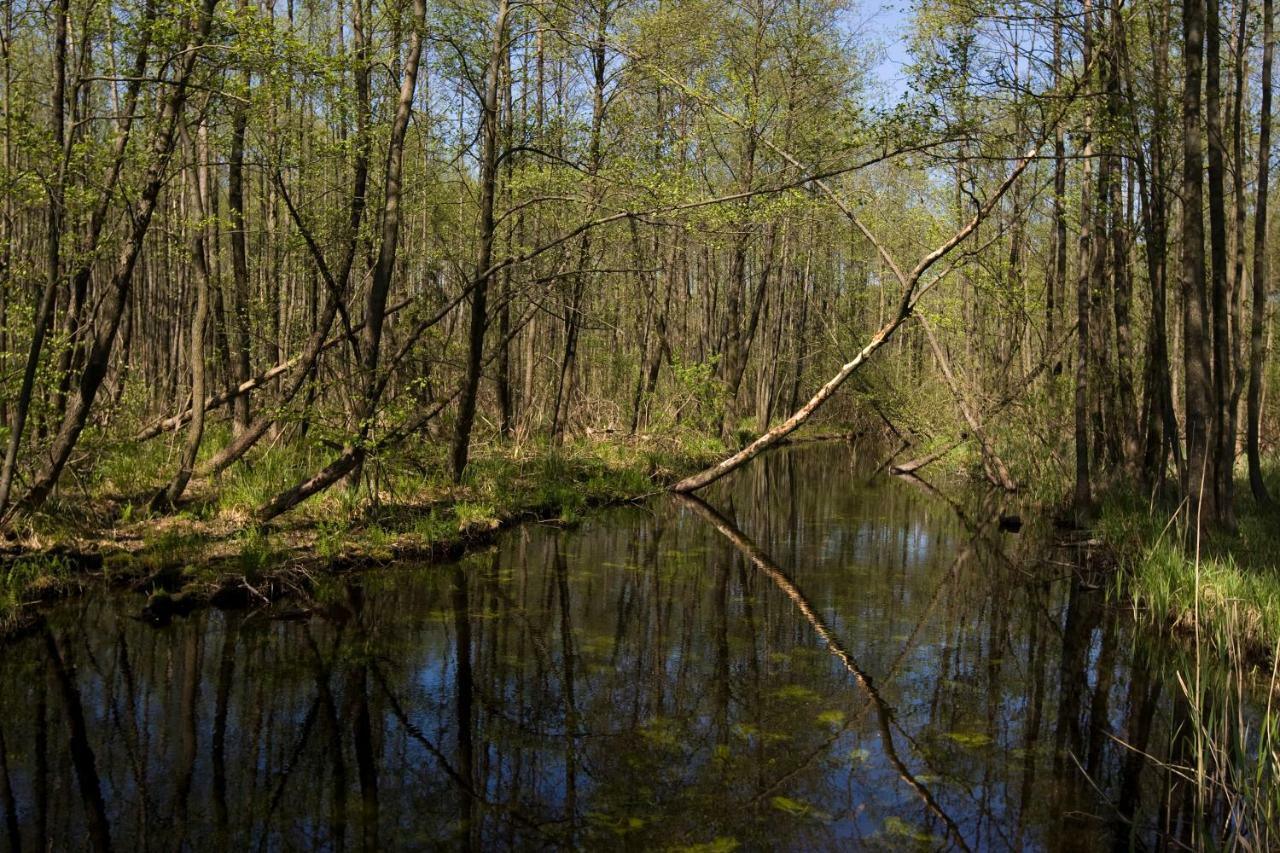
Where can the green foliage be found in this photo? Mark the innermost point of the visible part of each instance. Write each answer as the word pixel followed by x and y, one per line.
pixel 169 546
pixel 377 541
pixel 437 525
pixel 255 552
pixel 696 402
pixel 1229 593
pixel 30 577
pixel 331 536
pixel 251 483
pixel 132 469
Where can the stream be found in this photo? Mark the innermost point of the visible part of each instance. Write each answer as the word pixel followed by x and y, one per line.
pixel 817 657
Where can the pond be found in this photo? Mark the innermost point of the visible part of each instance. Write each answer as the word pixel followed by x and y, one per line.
pixel 818 657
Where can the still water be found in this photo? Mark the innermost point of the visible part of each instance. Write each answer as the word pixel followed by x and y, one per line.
pixel 816 658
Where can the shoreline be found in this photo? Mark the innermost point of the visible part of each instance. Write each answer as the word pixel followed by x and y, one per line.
pixel 1226 597
pixel 186 562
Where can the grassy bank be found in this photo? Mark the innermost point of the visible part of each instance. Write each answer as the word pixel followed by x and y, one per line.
pixel 405 508
pixel 1219 595
pixel 1226 596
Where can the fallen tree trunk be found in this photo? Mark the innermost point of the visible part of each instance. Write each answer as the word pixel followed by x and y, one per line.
pixel 912 292
pixel 929 458
pixel 346 462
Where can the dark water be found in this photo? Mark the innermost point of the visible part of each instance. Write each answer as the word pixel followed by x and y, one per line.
pixel 822 661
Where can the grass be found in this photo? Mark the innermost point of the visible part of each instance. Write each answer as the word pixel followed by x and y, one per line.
pixel 28 579
pixel 405 506
pixel 1234 756
pixel 1230 595
pixel 1221 594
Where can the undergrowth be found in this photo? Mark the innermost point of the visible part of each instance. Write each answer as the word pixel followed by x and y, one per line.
pixel 404 504
pixel 1219 592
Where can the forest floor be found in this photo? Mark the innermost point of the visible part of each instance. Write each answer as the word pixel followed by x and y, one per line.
pixel 211 550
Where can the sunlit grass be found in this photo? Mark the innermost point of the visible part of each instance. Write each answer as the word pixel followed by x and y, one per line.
pixel 28 578
pixel 1220 592
pixel 404 502
pixel 1234 599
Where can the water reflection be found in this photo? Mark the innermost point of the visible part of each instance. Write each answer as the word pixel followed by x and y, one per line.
pixel 809 660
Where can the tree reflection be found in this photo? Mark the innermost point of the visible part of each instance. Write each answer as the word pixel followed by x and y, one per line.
pixel 654 678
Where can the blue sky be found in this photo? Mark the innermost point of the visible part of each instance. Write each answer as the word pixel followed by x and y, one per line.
pixel 888 25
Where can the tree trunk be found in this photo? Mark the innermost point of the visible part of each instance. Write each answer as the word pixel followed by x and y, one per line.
pixel 351 459
pixel 1257 345
pixel 336 282
pixel 1237 369
pixel 1222 445
pixel 911 294
pixel 1002 477
pixel 1159 425
pixel 53 258
pixel 479 298
pixel 506 406
pixel 95 369
pixel 199 254
pixel 1121 238
pixel 1057 281
pixel 240 338
pixel 1195 319
pixel 1083 496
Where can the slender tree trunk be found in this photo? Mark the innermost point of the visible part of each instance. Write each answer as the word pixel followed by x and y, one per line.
pixel 1001 476
pixel 7 224
pixel 1222 445
pixel 479 297
pixel 1121 238
pixel 1257 346
pixel 911 293
pixel 240 337
pixel 506 407
pixel 375 309
pixel 1058 280
pixel 1238 368
pixel 200 195
pixel 96 363
pixel 53 258
pixel 351 459
pixel 1159 426
pixel 1195 319
pixel 1083 497
pixel 565 385
pixel 336 281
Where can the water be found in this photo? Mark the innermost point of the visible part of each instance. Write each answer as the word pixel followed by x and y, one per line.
pixel 819 658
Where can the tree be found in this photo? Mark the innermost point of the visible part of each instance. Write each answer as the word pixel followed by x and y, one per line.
pixel 1195 315
pixel 484 259
pixel 1261 277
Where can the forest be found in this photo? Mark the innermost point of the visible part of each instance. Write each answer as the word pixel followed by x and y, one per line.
pixel 292 292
